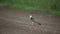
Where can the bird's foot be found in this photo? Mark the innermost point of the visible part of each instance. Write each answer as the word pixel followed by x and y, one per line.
pixel 32 23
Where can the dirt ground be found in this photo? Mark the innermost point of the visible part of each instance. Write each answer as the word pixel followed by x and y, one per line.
pixel 16 21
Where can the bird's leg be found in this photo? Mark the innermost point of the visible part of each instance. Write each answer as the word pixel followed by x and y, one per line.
pixel 32 23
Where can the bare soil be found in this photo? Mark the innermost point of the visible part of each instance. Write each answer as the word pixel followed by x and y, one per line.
pixel 16 21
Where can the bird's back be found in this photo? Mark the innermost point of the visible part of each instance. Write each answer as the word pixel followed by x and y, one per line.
pixel 33 20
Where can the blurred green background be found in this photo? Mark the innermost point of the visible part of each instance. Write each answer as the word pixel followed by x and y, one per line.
pixel 52 6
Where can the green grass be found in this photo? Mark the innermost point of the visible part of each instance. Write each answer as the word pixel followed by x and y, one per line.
pixel 31 5
pixel 54 12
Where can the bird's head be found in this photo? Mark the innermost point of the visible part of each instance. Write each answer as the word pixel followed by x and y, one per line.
pixel 30 16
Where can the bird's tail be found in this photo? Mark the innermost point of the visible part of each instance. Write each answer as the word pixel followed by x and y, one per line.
pixel 39 23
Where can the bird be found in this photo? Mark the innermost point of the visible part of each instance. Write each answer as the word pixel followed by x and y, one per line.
pixel 34 20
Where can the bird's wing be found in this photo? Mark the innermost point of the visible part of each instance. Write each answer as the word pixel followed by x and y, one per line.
pixel 35 21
